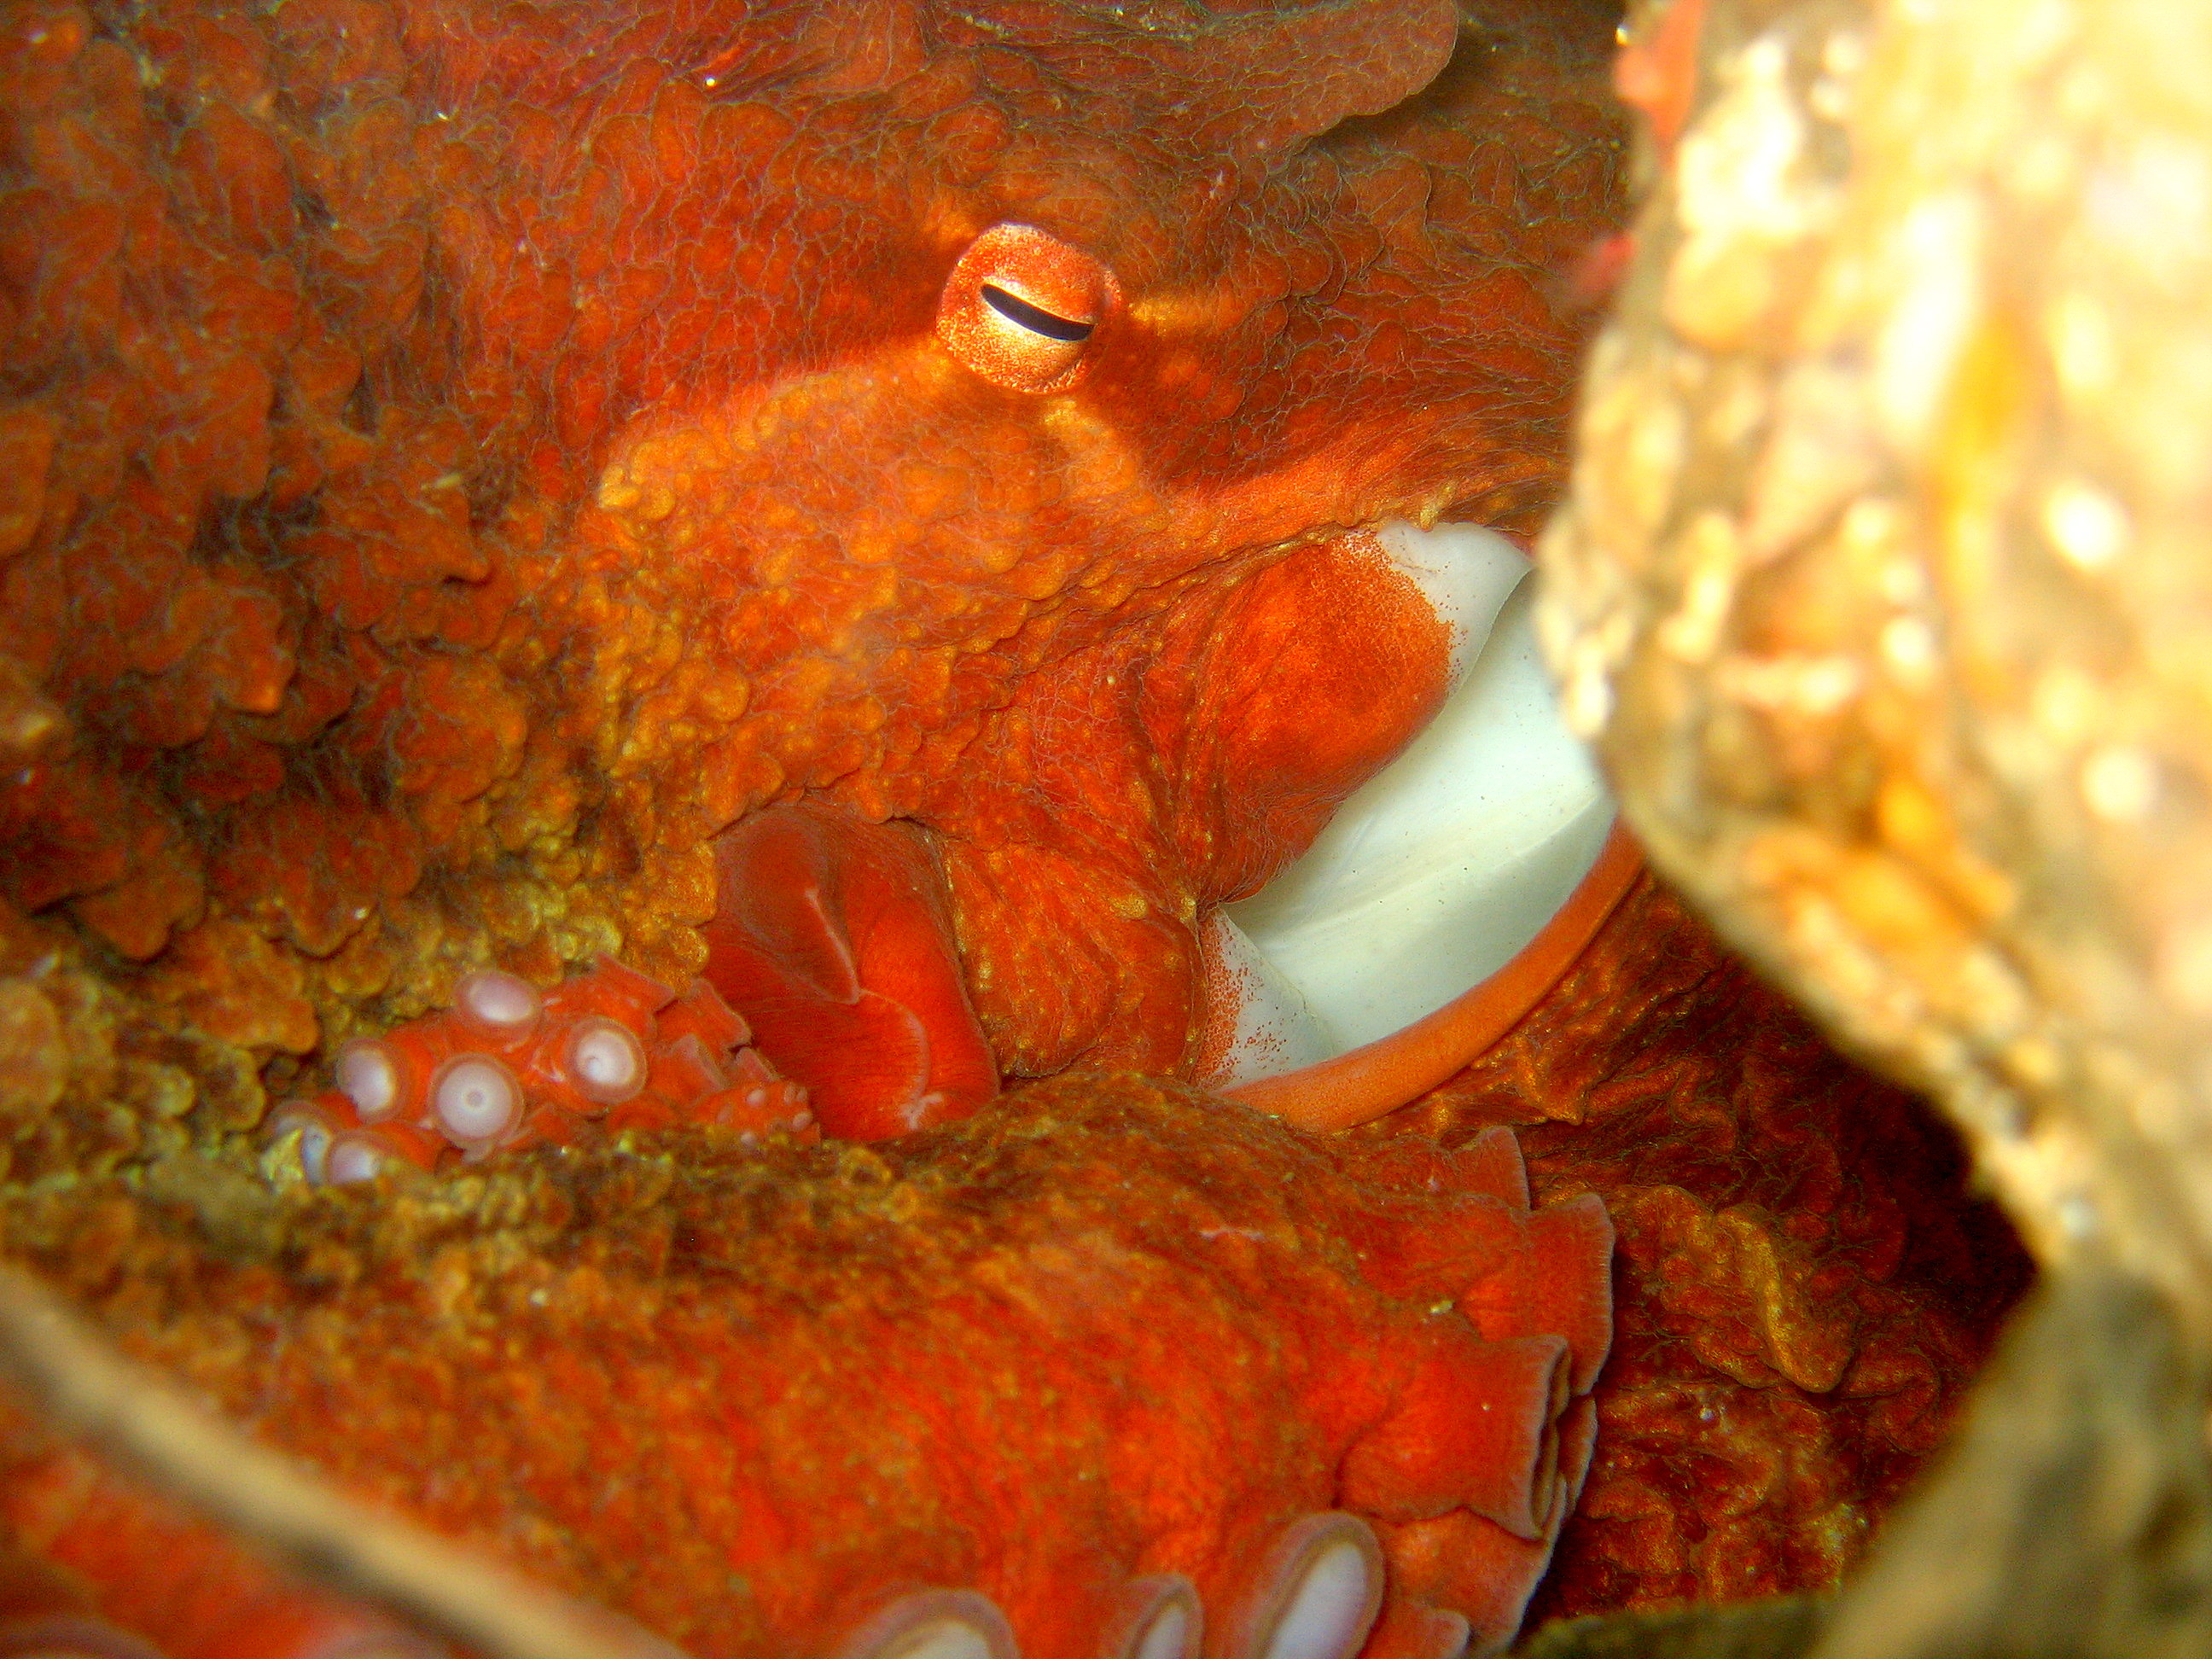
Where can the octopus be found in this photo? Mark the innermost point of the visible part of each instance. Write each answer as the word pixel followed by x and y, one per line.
pixel 639 645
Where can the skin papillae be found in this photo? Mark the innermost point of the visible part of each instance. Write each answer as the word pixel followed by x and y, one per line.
pixel 459 461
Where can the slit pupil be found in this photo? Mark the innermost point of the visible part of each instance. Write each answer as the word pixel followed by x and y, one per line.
pixel 1015 309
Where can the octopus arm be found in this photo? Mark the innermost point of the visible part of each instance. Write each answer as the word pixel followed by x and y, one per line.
pixel 755 1401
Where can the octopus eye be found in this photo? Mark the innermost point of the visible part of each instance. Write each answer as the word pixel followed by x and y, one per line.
pixel 1021 306
pixel 1036 319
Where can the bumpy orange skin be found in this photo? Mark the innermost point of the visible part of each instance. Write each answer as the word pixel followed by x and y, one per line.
pixel 1212 1324
pixel 471 455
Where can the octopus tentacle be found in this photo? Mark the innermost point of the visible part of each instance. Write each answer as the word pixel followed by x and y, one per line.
pixel 1374 1296
pixel 518 473
pixel 1413 1630
pixel 1160 1616
pixel 508 1067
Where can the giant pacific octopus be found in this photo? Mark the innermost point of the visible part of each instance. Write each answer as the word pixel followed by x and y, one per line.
pixel 814 548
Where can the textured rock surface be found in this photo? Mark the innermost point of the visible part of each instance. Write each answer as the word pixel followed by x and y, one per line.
pixel 1881 587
